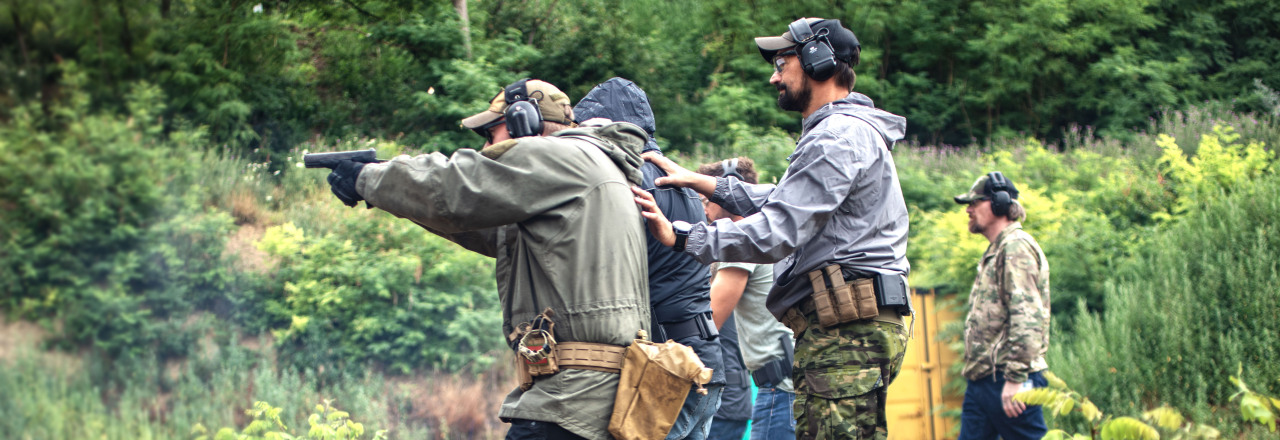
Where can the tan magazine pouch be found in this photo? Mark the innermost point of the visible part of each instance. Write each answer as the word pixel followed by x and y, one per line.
pixel 536 351
pixel 654 384
pixel 836 302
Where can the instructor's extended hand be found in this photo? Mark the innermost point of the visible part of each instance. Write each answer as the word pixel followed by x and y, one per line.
pixel 659 226
pixel 678 176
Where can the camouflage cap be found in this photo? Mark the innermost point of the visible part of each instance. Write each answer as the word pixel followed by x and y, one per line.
pixel 553 103
pixel 977 192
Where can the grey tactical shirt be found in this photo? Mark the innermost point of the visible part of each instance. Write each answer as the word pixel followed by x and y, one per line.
pixel 838 203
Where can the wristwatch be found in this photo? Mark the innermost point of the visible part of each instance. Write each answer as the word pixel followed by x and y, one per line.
pixel 681 228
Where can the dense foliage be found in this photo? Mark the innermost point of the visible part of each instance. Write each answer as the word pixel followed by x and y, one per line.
pixel 272 74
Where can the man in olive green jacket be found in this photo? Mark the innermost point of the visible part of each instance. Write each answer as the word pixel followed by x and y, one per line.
pixel 557 213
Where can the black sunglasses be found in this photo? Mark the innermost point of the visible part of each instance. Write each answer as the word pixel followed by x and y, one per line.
pixel 486 131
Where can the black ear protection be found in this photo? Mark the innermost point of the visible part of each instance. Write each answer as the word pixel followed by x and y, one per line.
pixel 522 115
pixel 730 168
pixel 816 55
pixel 1001 192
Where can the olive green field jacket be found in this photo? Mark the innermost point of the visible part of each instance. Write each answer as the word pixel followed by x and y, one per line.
pixel 558 214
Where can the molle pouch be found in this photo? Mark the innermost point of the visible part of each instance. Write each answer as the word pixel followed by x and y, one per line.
pixel 823 304
pixel 537 352
pixel 864 299
pixel 654 383
pixel 842 296
pixel 795 321
pixel 522 374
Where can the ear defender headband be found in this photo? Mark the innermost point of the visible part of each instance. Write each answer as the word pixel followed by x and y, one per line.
pixel 730 168
pixel 816 55
pixel 522 114
pixel 1001 192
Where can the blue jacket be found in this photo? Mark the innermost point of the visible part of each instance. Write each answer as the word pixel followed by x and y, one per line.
pixel 679 286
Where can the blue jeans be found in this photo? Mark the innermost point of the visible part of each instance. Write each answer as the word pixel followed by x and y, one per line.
pixel 772 417
pixel 983 418
pixel 725 429
pixel 694 421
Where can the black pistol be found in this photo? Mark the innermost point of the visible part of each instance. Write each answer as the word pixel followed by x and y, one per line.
pixel 331 160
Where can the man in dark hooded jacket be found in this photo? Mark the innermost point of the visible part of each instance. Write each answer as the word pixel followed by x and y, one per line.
pixel 679 287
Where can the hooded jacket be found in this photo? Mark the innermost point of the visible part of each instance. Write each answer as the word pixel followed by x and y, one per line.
pixel 679 286
pixel 838 203
pixel 558 215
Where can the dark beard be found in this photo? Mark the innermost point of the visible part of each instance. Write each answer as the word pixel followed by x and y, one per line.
pixel 796 100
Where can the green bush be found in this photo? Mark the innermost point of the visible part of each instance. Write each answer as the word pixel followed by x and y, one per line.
pixel 1198 298
pixel 91 241
pixel 382 289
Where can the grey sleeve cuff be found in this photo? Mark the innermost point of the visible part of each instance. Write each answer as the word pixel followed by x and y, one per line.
pixel 695 243
pixel 722 191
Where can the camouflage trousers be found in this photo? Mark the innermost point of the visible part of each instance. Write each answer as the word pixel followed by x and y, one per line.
pixel 841 376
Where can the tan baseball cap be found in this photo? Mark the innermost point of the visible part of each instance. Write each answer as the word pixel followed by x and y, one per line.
pixel 553 103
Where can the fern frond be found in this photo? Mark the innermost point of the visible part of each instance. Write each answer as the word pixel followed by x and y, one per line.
pixel 1065 406
pixel 1164 417
pixel 1090 411
pixel 1054 381
pixel 1128 428
pixel 1041 396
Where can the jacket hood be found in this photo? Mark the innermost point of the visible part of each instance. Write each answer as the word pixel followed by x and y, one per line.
pixel 623 143
pixel 620 100
pixel 890 126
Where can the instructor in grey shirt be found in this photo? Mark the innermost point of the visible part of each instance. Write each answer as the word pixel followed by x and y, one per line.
pixel 838 205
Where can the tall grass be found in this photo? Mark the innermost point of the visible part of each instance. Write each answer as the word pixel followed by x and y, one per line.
pixel 44 399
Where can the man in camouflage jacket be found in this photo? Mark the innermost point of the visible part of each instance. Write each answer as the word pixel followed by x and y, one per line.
pixel 1007 332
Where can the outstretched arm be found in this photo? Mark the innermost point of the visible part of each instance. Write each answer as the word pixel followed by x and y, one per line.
pixel 678 176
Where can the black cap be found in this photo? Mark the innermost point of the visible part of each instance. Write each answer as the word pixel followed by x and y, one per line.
pixel 843 42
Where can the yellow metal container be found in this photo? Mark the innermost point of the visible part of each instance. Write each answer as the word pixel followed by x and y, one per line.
pixel 916 400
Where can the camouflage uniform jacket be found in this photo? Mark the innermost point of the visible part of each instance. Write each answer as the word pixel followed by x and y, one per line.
pixel 1008 324
pixel 558 214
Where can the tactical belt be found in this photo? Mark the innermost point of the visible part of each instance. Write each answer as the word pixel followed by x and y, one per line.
pixel 773 373
pixel 737 379
pixel 590 356
pixel 701 326
pixel 890 315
